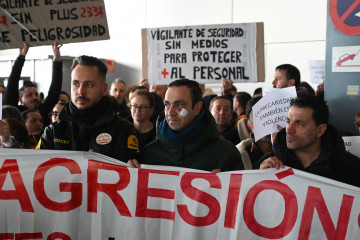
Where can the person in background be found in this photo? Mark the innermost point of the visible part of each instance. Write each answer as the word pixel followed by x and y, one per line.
pixel 64 97
pixel 320 90
pixel 159 90
pixel 239 104
pixel 28 94
pixel 307 86
pixel 54 115
pixel 286 75
pixel 251 151
pixel 257 92
pixel 118 91
pixel 33 122
pixel 142 106
pixel 13 134
pixel 12 112
pixel 88 122
pixel 357 122
pixel 187 136
pixel 220 108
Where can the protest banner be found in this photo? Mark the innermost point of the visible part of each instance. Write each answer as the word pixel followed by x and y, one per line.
pixel 41 22
pixel 47 194
pixel 205 53
pixel 352 144
pixel 270 112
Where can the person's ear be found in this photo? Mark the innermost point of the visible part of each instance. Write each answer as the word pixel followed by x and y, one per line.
pixel 198 107
pixel 291 82
pixel 321 130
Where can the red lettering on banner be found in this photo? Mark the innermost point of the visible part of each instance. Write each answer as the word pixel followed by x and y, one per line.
pixel 10 166
pixel 58 235
pixel 233 200
pixel 315 199
pixel 20 236
pixel 201 197
pixel 291 209
pixel 4 236
pixel 143 192
pixel 74 188
pixel 110 189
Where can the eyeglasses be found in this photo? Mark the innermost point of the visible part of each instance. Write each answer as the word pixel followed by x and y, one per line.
pixel 141 107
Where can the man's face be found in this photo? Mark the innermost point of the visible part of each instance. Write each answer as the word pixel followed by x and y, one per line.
pixel 34 123
pixel 177 99
pixel 159 90
pixel 87 86
pixel 280 80
pixel 63 98
pixel 221 110
pixel 301 130
pixel 140 108
pixel 118 90
pixel 30 98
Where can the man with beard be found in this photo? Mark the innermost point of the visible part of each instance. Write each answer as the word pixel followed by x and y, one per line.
pixel 187 136
pixel 118 91
pixel 310 144
pixel 88 122
pixel 28 94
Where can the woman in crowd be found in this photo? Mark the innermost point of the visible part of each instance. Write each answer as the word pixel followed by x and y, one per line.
pixel 141 106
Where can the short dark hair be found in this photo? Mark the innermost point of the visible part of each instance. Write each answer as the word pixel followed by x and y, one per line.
pixel 25 113
pixel 292 72
pixel 26 85
pixel 118 80
pixel 219 97
pixel 257 92
pixel 65 93
pixel 320 113
pixel 196 93
pixel 249 107
pixel 90 62
pixel 243 98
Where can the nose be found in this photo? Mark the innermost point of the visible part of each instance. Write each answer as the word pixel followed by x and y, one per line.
pixel 81 89
pixel 274 82
pixel 172 110
pixel 290 128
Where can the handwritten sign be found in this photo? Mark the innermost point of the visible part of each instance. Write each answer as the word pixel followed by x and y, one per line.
pixel 352 144
pixel 317 71
pixel 43 22
pixel 204 53
pixel 270 112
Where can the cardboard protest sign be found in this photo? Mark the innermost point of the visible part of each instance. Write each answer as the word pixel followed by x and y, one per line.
pixel 270 112
pixel 205 53
pixel 47 194
pixel 352 144
pixel 43 22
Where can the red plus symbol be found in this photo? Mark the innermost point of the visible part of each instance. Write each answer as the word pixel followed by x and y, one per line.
pixel 164 73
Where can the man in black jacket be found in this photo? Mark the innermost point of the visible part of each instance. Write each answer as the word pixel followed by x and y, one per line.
pixel 88 123
pixel 308 143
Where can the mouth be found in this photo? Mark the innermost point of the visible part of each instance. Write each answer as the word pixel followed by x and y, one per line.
pixel 82 100
pixel 290 138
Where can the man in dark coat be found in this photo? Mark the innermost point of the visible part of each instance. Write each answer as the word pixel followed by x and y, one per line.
pixel 308 143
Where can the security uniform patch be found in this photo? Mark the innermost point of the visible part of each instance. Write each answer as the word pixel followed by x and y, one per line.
pixel 133 142
pixel 103 138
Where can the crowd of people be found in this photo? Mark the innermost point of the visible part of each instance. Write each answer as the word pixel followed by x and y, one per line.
pixel 172 125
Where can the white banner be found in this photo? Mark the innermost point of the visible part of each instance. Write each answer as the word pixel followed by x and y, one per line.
pixel 204 53
pixel 48 194
pixel 41 22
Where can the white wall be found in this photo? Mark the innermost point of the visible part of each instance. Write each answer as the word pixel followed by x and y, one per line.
pixel 295 31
